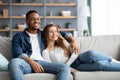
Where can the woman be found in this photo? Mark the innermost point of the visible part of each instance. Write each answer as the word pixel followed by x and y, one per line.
pixel 58 51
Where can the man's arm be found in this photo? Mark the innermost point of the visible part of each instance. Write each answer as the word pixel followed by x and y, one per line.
pixel 16 48
pixel 17 51
pixel 72 41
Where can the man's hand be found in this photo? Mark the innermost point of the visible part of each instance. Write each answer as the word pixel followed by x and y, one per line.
pixel 35 66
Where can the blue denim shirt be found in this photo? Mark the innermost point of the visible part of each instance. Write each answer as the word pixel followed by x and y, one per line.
pixel 21 43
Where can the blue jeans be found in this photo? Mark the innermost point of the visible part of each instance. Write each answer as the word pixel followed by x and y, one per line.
pixel 95 61
pixel 18 67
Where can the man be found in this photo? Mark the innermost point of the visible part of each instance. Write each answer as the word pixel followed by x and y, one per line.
pixel 27 47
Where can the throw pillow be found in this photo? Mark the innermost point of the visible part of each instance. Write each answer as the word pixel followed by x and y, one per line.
pixel 3 63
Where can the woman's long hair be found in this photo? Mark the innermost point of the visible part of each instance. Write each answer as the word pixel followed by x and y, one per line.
pixel 59 42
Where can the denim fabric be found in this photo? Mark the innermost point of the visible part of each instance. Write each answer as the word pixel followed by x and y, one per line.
pixel 18 67
pixel 95 61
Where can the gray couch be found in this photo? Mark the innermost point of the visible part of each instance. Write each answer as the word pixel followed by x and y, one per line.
pixel 107 44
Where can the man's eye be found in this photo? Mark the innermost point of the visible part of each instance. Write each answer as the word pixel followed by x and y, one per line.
pixel 50 32
pixel 38 19
pixel 33 19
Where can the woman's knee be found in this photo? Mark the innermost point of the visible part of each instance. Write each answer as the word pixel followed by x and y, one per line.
pixel 88 54
pixel 93 54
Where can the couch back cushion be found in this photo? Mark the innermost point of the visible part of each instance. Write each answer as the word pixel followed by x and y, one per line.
pixel 108 44
pixel 5 47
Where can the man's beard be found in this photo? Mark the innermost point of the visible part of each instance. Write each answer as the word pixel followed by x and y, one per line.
pixel 34 28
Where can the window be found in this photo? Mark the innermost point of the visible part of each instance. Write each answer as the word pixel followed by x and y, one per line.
pixel 105 17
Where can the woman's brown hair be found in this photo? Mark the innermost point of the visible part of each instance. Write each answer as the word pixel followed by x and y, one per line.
pixel 59 42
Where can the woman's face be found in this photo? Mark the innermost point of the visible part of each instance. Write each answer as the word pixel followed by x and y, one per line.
pixel 53 34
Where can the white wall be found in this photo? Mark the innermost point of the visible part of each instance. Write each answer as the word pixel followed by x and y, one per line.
pixel 105 17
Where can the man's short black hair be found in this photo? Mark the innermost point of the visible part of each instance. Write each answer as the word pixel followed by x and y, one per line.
pixel 29 12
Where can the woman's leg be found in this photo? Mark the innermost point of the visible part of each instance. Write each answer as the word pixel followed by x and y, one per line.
pixel 17 68
pixel 93 56
pixel 102 65
pixel 62 71
pixel 90 56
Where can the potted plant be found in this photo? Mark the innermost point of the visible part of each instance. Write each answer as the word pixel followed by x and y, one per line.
pixel 58 1
pixel 6 26
pixel 85 33
pixel 33 1
pixel 68 24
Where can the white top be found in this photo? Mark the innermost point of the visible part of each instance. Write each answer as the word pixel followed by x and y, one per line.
pixel 58 55
pixel 36 55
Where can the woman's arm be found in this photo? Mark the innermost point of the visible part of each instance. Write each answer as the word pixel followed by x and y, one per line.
pixel 74 70
pixel 73 45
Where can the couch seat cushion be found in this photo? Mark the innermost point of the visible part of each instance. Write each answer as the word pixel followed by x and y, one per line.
pixel 42 76
pixel 97 75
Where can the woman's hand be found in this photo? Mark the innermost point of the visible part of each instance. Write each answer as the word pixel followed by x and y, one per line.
pixel 73 70
pixel 75 47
